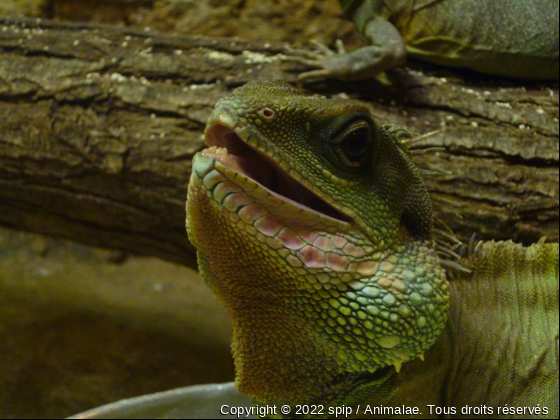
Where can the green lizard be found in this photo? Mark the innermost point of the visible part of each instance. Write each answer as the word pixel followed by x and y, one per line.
pixel 314 229
pixel 502 37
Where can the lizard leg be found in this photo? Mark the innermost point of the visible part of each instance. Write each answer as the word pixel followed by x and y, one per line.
pixel 387 51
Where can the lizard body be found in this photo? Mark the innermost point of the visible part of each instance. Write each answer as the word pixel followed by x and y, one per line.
pixel 313 228
pixel 503 37
pixel 499 349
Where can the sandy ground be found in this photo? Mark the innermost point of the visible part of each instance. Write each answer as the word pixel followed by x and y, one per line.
pixel 78 330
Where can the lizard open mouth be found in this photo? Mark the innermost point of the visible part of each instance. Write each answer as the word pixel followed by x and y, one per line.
pixel 230 150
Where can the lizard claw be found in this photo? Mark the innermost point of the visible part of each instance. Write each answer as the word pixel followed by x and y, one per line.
pixel 321 48
pixel 320 60
pixel 326 51
pixel 340 48
pixel 314 75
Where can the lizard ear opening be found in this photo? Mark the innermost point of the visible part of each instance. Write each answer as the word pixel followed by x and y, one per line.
pixel 413 226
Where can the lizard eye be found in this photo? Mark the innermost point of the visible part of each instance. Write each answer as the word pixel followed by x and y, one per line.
pixel 353 144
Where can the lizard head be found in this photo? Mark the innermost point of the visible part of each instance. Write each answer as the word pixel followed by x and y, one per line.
pixel 313 228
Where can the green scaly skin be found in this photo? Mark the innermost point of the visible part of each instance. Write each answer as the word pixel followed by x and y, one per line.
pixel 502 37
pixel 316 301
pixel 324 298
pixel 499 348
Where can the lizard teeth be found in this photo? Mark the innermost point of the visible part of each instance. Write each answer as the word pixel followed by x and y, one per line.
pixel 421 357
pixel 398 366
pixel 217 150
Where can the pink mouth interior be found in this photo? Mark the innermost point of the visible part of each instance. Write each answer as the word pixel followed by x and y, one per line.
pixel 259 167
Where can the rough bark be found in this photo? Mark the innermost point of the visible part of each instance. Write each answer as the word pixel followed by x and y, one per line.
pixel 98 126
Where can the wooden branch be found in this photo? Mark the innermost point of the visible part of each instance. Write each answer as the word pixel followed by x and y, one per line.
pixel 99 125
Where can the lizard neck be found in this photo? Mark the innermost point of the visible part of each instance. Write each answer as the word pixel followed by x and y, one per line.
pixel 513 292
pixel 301 337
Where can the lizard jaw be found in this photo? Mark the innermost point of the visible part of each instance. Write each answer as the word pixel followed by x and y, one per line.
pixel 229 148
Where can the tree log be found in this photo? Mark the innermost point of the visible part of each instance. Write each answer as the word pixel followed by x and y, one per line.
pixel 99 125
